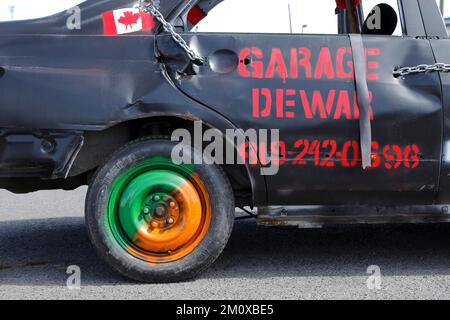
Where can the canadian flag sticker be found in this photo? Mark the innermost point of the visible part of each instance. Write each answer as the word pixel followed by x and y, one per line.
pixel 127 20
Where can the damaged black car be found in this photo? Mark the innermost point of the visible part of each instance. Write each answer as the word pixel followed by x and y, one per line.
pixel 338 119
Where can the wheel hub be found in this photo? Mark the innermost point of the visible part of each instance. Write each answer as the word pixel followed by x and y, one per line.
pixel 161 211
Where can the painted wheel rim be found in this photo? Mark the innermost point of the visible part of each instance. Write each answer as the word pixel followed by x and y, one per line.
pixel 159 212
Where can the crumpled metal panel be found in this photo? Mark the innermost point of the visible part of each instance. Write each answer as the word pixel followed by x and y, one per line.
pixel 41 154
pixel 76 79
pixel 56 79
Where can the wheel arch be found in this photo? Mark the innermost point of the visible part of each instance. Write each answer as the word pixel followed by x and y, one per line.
pixel 99 145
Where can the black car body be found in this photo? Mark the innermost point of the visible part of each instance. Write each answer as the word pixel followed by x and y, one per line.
pixel 71 97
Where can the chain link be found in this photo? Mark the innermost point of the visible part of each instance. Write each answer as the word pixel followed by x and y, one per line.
pixel 149 7
pixel 421 68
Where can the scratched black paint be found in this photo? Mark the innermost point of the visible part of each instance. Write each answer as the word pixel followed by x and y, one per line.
pixel 66 83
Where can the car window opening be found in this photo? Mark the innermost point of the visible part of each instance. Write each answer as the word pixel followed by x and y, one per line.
pixel 350 17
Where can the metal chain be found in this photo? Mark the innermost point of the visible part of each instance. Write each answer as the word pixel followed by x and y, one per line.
pixel 422 68
pixel 149 7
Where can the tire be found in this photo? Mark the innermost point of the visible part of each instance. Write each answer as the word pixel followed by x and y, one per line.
pixel 154 221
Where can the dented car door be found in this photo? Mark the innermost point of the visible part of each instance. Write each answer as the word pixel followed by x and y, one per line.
pixel 304 85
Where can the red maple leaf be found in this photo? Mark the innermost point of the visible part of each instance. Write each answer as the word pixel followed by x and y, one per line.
pixel 129 18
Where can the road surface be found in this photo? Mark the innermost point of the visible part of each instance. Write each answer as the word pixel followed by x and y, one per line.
pixel 42 234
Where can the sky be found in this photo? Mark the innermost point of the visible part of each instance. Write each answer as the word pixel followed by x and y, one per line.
pixel 28 9
pixel 308 16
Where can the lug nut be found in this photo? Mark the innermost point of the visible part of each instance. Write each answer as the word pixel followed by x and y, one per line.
pixel 172 204
pixel 146 210
pixel 170 221
pixel 157 198
pixel 155 224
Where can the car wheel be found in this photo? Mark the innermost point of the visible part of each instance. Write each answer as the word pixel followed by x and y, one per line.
pixel 155 221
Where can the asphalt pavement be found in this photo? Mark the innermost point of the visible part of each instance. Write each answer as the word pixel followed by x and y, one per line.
pixel 43 233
